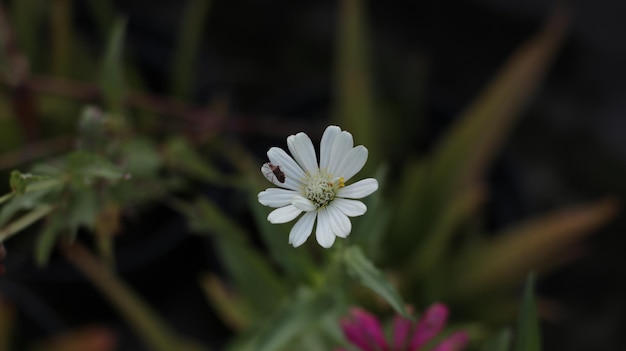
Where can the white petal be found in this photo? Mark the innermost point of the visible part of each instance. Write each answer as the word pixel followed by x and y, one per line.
pixel 323 233
pixel 352 163
pixel 350 208
pixel 283 214
pixel 303 204
pixel 326 145
pixel 293 172
pixel 339 222
pixel 302 149
pixel 302 229
pixel 274 197
pixel 341 146
pixel 360 189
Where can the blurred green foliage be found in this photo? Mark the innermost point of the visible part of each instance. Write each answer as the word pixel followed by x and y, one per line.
pixel 418 226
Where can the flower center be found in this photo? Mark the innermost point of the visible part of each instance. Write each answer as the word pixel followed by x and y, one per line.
pixel 321 187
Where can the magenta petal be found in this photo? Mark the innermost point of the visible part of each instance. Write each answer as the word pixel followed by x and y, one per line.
pixel 430 324
pixel 363 330
pixel 401 329
pixel 456 342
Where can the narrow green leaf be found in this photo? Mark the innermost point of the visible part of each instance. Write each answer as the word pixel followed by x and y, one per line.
pixel 365 271
pixel 189 38
pixel 112 76
pixel 255 279
pixel 47 238
pixel 433 250
pixel 536 244
pixel 527 336
pixel 468 148
pixel 501 342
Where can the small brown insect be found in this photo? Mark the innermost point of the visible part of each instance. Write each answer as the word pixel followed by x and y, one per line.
pixel 270 171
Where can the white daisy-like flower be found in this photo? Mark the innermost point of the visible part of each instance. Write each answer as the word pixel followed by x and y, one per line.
pixel 318 191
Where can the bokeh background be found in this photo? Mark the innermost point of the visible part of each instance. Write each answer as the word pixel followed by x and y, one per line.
pixel 271 64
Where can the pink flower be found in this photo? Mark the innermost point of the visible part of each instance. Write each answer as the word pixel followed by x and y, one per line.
pixel 364 330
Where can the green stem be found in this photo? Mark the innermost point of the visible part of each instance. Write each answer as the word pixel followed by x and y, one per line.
pixel 24 221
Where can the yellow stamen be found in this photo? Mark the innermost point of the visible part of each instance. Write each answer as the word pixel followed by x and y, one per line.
pixel 341 183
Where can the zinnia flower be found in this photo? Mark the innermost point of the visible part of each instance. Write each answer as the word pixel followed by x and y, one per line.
pixel 318 191
pixel 364 331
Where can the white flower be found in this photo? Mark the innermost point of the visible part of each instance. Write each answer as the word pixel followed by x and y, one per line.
pixel 318 191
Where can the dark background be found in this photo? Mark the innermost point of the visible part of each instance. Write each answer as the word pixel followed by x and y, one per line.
pixel 276 58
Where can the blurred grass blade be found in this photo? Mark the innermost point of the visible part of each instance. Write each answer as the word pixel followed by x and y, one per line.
pixel 256 281
pixel 298 264
pixel 466 151
pixel 7 325
pixel 527 336
pixel 26 220
pixel 150 327
pixel 47 238
pixel 372 228
pixel 507 258
pixel 501 342
pixel 293 319
pixel 370 276
pixel 61 35
pixel 112 75
pixel 181 156
pixel 27 15
pixel 227 305
pixel 431 252
pixel 189 39
pixel 103 12
pixel 355 110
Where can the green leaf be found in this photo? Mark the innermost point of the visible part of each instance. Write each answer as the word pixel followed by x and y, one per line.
pixel 501 342
pixel 141 158
pixel 83 209
pixel 27 201
pixel 527 336
pixel 87 166
pixel 112 76
pixel 365 271
pixel 181 156
pixel 19 182
pixel 47 238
